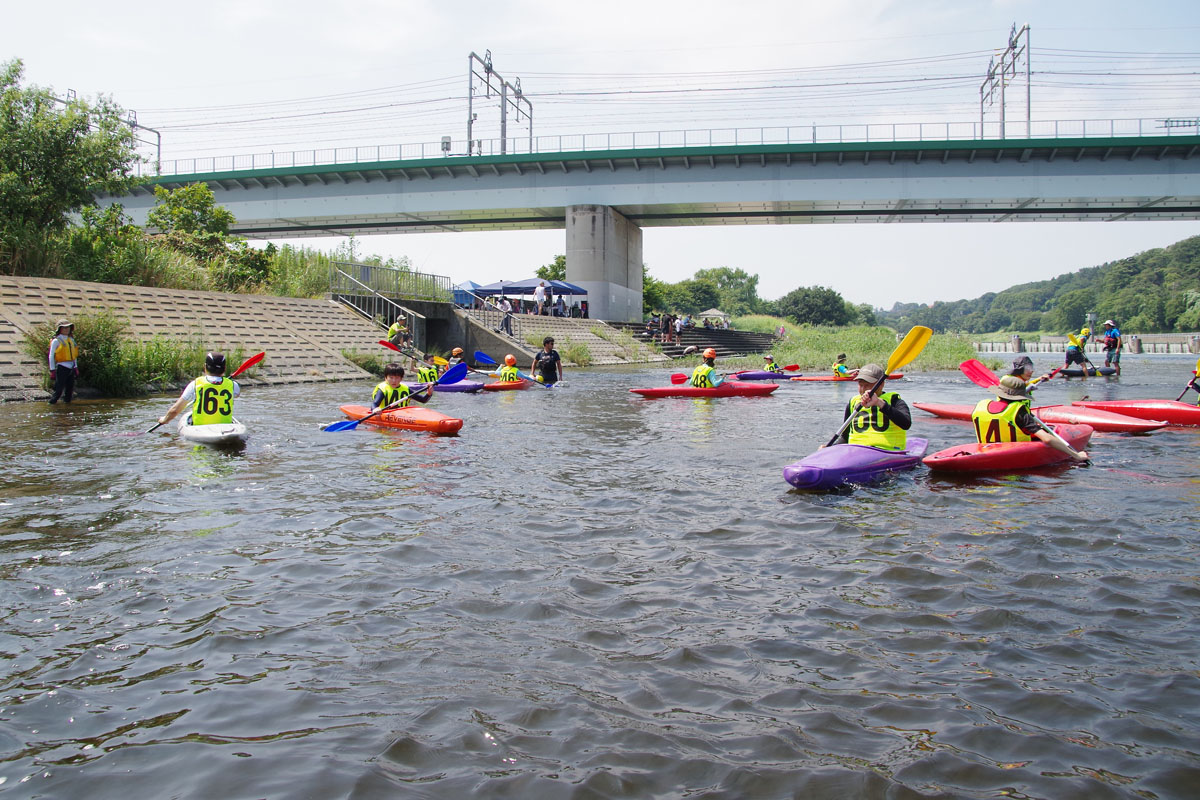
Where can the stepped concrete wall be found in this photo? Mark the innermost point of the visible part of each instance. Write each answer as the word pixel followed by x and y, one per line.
pixel 303 339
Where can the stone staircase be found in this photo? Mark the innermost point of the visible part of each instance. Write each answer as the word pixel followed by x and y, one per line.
pixel 727 343
pixel 607 343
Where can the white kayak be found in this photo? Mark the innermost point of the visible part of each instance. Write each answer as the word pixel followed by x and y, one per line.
pixel 218 433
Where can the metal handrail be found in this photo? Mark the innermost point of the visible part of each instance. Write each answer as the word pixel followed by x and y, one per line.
pixel 392 281
pixel 794 134
pixel 487 313
pixel 372 305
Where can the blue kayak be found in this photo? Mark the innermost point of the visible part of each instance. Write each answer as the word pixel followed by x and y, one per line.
pixel 840 464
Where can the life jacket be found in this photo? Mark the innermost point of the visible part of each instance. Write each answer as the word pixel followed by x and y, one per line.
pixel 427 373
pixel 702 377
pixel 874 429
pixel 214 402
pixel 993 425
pixel 773 367
pixel 65 350
pixel 508 373
pixel 839 370
pixel 397 327
pixel 392 393
pixel 1111 337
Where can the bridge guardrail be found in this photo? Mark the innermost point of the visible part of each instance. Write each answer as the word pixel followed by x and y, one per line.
pixel 563 143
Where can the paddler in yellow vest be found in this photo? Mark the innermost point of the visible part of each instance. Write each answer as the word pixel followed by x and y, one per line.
pixel 840 370
pixel 771 366
pixel 392 389
pixel 509 371
pixel 64 361
pixel 878 419
pixel 210 396
pixel 427 372
pixel 1194 383
pixel 703 376
pixel 1008 419
pixel 1075 350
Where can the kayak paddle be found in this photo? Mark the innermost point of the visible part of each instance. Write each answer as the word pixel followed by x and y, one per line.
pixel 441 362
pixel 1190 385
pixel 452 375
pixel 983 377
pixel 247 364
pixel 909 348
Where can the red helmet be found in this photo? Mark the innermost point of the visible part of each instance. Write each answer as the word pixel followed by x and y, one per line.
pixel 511 360
pixel 709 353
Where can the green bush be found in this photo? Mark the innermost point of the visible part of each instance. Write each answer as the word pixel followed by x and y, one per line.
pixel 577 353
pixel 372 363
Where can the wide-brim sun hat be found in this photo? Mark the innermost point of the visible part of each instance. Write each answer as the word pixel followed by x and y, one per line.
pixel 64 323
pixel 1012 388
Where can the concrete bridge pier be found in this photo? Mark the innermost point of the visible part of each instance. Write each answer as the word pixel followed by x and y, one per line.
pixel 604 256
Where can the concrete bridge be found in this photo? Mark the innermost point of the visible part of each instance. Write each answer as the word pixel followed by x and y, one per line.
pixel 603 198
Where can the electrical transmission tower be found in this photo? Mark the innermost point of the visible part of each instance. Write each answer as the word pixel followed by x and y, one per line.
pixel 999 74
pixel 481 69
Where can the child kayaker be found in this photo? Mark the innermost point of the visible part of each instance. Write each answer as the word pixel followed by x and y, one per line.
pixel 1007 418
pixel 456 357
pixel 64 361
pixel 703 376
pixel 427 372
pixel 210 395
pixel 840 370
pixel 771 366
pixel 393 389
pixel 885 425
pixel 1023 369
pixel 509 372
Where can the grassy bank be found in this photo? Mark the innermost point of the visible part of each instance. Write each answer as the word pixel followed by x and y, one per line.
pixel 112 364
pixel 815 348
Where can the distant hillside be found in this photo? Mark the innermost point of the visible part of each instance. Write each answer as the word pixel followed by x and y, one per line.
pixel 1152 292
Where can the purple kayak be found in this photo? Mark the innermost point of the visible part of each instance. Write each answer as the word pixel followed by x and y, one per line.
pixel 851 463
pixel 460 386
pixel 760 375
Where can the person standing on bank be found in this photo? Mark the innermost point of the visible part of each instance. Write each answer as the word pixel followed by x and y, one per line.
pixel 539 297
pixel 211 395
pixel 880 418
pixel 547 365
pixel 506 322
pixel 1112 345
pixel 64 361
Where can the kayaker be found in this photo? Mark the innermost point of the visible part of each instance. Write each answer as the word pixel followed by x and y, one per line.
pixel 1008 419
pixel 64 361
pixel 886 424
pixel 1075 353
pixel 509 372
pixel 456 357
pixel 1023 369
pixel 393 388
pixel 1112 345
pixel 704 376
pixel 427 372
pixel 771 366
pixel 210 395
pixel 840 370
pixel 547 365
pixel 398 333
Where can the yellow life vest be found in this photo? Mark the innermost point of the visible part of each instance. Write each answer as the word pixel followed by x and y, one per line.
pixel 214 402
pixel 66 350
pixel 392 393
pixel 397 327
pixel 874 429
pixel 773 367
pixel 840 370
pixel 702 377
pixel 999 427
pixel 427 373
pixel 509 373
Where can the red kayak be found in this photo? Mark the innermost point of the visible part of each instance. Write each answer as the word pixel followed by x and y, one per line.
pixel 726 389
pixel 1005 456
pixel 413 418
pixel 1173 411
pixel 1105 421
pixel 891 376
pixel 506 386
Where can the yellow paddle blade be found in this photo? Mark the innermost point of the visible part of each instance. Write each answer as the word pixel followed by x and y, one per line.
pixel 909 348
pixel 1073 339
pixel 441 362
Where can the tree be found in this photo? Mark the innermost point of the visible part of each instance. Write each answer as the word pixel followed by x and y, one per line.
pixel 53 156
pixel 737 290
pixel 654 295
pixel 556 270
pixel 691 296
pixel 189 209
pixel 1070 309
pixel 814 305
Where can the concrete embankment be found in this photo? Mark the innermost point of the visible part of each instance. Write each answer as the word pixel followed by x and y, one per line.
pixel 303 339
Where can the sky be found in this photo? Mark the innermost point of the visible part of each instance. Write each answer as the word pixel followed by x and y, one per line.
pixel 231 77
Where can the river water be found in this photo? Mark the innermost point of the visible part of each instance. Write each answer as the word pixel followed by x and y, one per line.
pixel 586 594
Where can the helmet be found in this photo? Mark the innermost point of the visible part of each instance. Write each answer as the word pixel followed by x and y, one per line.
pixel 709 353
pixel 214 363
pixel 511 360
pixel 1084 331
pixel 458 351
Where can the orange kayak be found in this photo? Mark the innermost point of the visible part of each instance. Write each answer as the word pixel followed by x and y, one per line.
pixel 501 386
pixel 413 418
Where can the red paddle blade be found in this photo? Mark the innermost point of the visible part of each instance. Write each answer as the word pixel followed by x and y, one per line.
pixel 248 363
pixel 679 377
pixel 979 374
pixel 792 367
pixel 390 346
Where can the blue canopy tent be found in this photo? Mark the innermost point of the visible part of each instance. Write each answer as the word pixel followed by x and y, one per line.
pixel 527 286
pixel 463 292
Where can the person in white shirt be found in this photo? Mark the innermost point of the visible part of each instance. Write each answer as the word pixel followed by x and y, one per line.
pixel 539 297
pixel 64 361
pixel 506 323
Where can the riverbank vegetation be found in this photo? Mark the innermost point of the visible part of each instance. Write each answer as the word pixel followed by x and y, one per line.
pixel 113 364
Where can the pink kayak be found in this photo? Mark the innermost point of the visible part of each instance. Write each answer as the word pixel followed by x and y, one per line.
pixel 1106 421
pixel 1006 456
pixel 1173 411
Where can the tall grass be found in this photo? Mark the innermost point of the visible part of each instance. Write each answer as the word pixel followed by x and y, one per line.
pixel 114 365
